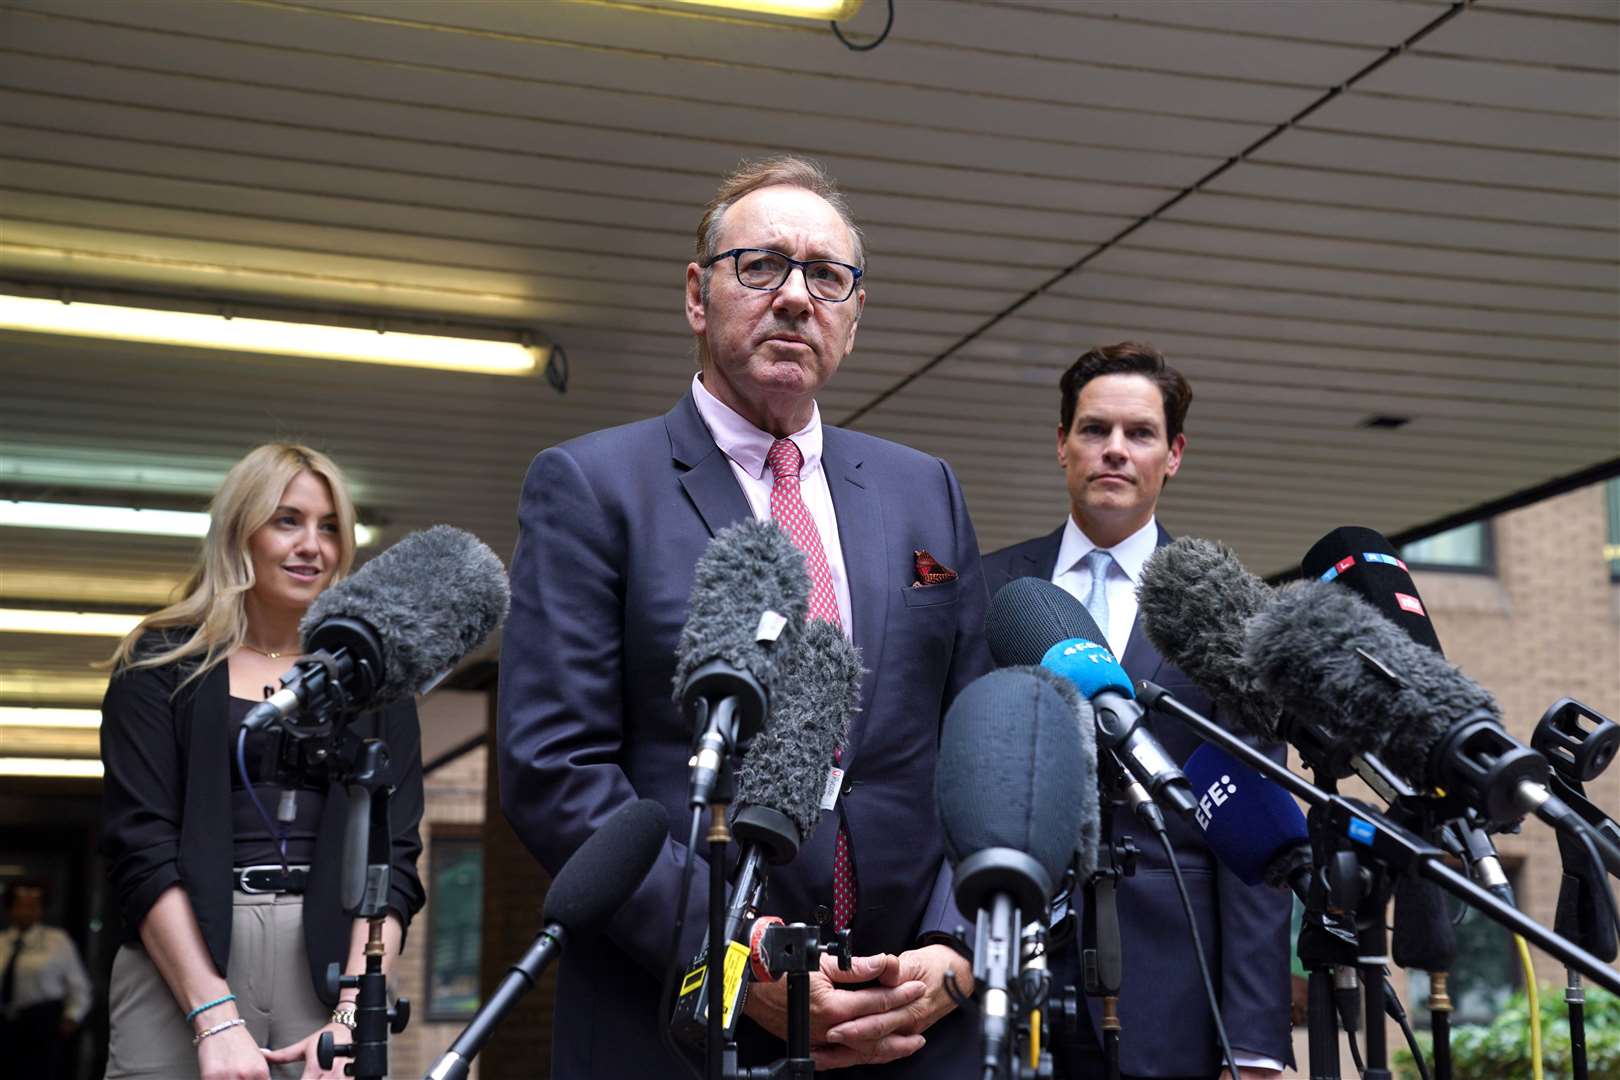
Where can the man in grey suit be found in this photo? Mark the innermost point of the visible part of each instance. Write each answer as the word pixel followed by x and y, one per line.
pixel 612 524
pixel 1119 440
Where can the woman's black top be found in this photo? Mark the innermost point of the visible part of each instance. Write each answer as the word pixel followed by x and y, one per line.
pixel 254 841
pixel 169 757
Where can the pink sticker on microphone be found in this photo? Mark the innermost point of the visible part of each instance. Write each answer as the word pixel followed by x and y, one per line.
pixel 1345 563
pixel 1411 603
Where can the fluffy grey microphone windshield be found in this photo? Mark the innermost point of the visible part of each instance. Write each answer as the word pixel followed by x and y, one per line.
pixel 432 598
pixel 748 569
pixel 1085 779
pixel 816 689
pixel 1194 599
pixel 1303 649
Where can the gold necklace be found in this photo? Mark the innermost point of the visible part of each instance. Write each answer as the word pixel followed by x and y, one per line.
pixel 277 655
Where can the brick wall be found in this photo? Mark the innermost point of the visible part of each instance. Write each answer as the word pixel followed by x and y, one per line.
pixel 1546 625
pixel 454 795
pixel 514 892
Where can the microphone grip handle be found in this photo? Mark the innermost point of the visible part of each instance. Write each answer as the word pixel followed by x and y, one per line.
pixel 356 847
pixel 520 979
pixel 1001 957
pixel 1560 815
pixel 284 702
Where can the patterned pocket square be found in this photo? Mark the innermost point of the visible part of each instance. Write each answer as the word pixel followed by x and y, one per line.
pixel 930 571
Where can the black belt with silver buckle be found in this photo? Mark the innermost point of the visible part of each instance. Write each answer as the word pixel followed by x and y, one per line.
pixel 270 879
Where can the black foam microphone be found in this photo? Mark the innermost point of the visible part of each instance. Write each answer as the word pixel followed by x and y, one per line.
pixel 1194 599
pixel 1364 561
pixel 1330 657
pixel 591 886
pixel 1027 616
pixel 750 592
pixel 1027 620
pixel 1009 814
pixel 1424 936
pixel 393 629
pixel 1196 602
pixel 780 783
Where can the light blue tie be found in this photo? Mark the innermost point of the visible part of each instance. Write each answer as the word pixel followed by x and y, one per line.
pixel 1098 561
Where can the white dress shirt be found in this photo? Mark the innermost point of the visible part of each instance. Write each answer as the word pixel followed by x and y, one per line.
pixel 1125 573
pixel 746 446
pixel 1130 554
pixel 48 969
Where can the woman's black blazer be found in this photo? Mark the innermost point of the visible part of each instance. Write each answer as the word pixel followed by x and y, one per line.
pixel 166 809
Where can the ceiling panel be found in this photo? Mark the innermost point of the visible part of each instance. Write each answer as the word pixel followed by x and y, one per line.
pixel 1321 210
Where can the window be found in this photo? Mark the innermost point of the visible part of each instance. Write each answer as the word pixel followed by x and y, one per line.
pixel 1466 548
pixel 455 916
pixel 1611 550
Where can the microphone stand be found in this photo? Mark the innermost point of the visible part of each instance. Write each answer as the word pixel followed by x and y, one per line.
pixel 363 769
pixel 719 837
pixel 1326 946
pixel 1388 843
pixel 318 742
pixel 1580 743
pixel 1103 965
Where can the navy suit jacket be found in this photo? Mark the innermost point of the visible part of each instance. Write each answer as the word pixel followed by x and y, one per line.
pixel 611 526
pixel 1166 1028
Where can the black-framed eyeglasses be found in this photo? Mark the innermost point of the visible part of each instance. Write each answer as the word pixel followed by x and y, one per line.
pixel 767 271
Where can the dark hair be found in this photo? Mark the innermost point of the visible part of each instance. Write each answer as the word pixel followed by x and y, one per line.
pixel 784 169
pixel 1129 358
pixel 14 887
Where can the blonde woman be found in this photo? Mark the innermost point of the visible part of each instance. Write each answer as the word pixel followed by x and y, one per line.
pixel 232 913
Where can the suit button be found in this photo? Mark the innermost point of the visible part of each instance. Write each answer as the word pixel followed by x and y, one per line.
pixel 849 787
pixel 823 916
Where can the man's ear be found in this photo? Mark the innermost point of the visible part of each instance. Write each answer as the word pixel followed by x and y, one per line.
pixel 859 300
pixel 1062 447
pixel 697 316
pixel 1173 463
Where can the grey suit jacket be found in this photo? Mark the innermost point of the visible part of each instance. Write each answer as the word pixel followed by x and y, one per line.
pixel 612 524
pixel 1166 1028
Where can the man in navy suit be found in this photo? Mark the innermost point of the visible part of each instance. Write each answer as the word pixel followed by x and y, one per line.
pixel 1119 441
pixel 612 524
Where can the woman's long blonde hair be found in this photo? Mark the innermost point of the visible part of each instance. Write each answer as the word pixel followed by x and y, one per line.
pixel 211 598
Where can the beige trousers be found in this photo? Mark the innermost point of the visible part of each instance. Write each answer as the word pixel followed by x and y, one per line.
pixel 269 974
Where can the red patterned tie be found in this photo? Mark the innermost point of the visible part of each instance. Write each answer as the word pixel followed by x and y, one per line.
pixel 788 511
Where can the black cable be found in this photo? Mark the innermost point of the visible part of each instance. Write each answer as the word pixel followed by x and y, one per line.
pixel 666 999
pixel 875 42
pixel 1198 951
pixel 1393 1006
pixel 1355 1051
pixel 278 832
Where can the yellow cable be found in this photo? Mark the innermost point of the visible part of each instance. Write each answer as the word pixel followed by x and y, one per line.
pixel 1534 999
pixel 1035 1039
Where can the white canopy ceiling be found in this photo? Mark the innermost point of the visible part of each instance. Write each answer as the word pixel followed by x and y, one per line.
pixel 1322 211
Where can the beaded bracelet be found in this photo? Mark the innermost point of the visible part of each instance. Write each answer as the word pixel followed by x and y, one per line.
pixel 199 1010
pixel 216 1029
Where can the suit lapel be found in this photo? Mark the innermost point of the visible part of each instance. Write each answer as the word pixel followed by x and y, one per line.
pixel 860 537
pixel 1143 658
pixel 1042 555
pixel 703 470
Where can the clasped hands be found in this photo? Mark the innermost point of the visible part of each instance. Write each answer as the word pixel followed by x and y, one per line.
pixel 853 1024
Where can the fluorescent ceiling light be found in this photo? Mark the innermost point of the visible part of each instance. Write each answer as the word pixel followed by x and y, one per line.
pixel 836 10
pixel 34 687
pixel 51 767
pixel 242 333
pixel 122 519
pixel 11 716
pixel 82 623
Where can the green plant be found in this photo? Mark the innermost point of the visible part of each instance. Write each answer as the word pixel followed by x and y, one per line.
pixel 1501 1049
